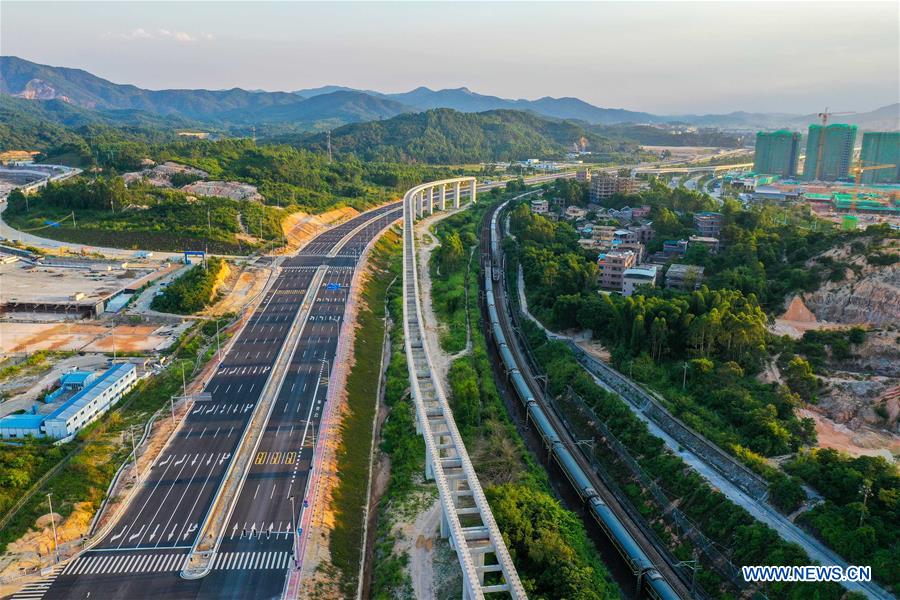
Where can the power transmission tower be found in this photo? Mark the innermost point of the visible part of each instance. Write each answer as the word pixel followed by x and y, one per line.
pixel 328 137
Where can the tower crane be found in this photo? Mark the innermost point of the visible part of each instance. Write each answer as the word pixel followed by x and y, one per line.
pixel 858 169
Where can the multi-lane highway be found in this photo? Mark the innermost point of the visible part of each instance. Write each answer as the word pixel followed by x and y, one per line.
pixel 143 554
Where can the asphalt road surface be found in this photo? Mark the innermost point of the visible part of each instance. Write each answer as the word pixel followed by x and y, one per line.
pixel 142 555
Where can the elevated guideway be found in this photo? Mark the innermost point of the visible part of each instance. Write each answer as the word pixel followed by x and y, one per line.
pixel 466 519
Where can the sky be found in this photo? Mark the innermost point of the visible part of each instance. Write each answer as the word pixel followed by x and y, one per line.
pixel 661 57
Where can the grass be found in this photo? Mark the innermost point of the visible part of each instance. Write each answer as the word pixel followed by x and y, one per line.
pixel 449 303
pixel 354 451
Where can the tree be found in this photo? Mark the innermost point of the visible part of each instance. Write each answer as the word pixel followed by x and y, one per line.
pixel 801 380
pixel 451 252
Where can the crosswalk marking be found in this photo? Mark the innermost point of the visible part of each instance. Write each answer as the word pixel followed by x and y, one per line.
pixel 37 589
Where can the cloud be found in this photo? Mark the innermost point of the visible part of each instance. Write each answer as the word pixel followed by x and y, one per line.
pixel 142 34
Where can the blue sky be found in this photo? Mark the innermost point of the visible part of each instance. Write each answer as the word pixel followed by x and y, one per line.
pixel 668 57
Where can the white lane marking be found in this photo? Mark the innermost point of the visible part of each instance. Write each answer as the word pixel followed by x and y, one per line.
pixel 134 535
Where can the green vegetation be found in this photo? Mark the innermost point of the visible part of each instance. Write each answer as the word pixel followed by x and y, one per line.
pixel 445 136
pixel 406 489
pixel 33 363
pixel 109 214
pixel 65 133
pixel 98 449
pixel 142 216
pixel 193 291
pixel 701 350
pixel 353 454
pixel 287 176
pixel 722 331
pixel 860 517
pixel 548 543
pixel 734 531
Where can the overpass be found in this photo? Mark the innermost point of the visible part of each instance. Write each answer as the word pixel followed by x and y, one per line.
pixel 703 169
pixel 466 518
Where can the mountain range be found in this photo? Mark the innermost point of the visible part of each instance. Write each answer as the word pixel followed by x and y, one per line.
pixel 331 106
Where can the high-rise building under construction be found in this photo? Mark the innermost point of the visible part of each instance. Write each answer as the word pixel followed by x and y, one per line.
pixel 881 148
pixel 777 153
pixel 829 152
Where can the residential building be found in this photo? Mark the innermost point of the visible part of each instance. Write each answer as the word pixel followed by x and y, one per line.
pixel 684 277
pixel 777 153
pixel 644 232
pixel 606 185
pixel 575 212
pixel 540 206
pixel 96 396
pixel 708 224
pixel 637 276
pixel 674 248
pixel 583 176
pixel 640 212
pixel 604 233
pixel 627 240
pixel 829 152
pixel 881 148
pixel 612 266
pixel 710 242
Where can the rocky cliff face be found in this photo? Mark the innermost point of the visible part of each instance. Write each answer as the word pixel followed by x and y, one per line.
pixel 868 294
pixel 38 89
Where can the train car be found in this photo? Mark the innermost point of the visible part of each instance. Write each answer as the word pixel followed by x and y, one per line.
pixel 658 587
pixel 521 387
pixel 543 424
pixel 623 540
pixel 574 472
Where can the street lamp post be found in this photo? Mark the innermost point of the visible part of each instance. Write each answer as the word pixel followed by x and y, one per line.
pixel 294 531
pixel 137 473
pixel 53 523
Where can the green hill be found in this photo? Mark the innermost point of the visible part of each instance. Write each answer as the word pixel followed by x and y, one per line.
pixel 444 136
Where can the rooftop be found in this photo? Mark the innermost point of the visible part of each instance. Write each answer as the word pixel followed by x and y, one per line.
pixel 99 385
pixel 645 272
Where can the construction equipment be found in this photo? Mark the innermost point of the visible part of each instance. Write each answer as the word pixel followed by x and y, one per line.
pixel 858 169
pixel 825 114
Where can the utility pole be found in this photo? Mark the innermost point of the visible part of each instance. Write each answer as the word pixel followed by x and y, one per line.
pixel 183 381
pixel 53 523
pixel 684 377
pixel 218 347
pixel 328 136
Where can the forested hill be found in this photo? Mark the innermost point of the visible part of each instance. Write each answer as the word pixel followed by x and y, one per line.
pixel 445 136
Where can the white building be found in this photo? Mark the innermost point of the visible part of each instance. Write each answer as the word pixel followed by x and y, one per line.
pixel 540 206
pixel 637 276
pixel 96 397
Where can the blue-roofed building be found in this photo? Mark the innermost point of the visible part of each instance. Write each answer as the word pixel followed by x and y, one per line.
pixel 76 380
pixel 20 426
pixel 96 396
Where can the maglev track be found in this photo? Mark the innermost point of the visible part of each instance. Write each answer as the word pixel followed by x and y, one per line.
pixel 647 564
